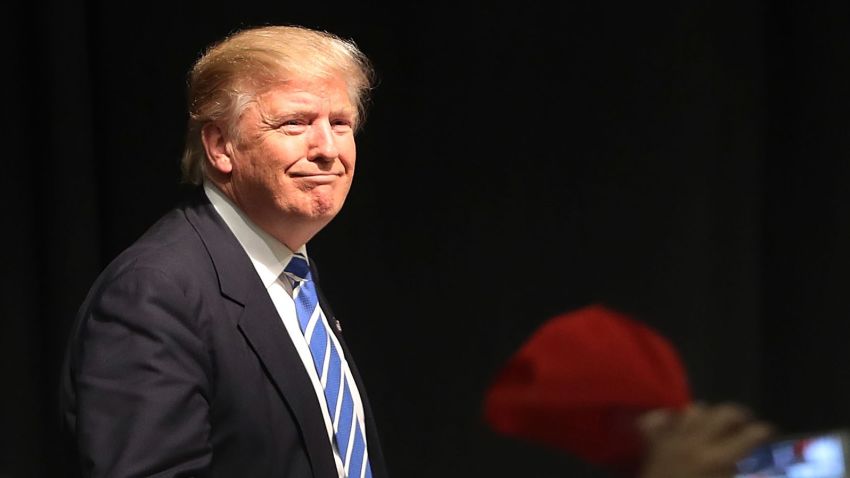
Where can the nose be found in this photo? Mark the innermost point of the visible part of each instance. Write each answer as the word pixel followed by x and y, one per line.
pixel 322 142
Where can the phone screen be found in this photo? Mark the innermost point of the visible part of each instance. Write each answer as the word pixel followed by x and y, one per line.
pixel 814 456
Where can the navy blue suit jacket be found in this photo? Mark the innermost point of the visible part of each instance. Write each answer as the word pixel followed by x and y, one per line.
pixel 179 365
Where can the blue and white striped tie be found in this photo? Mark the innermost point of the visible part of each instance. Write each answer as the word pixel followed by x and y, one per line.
pixel 348 429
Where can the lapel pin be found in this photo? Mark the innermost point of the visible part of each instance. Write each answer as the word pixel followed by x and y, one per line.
pixel 338 325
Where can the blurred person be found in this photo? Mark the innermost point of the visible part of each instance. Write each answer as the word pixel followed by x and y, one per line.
pixel 701 441
pixel 207 348
pixel 612 391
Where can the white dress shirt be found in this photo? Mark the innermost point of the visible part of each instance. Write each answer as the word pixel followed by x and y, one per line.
pixel 270 257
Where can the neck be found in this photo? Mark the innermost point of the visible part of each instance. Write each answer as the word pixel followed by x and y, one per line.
pixel 291 231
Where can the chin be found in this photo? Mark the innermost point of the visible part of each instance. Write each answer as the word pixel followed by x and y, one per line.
pixel 325 212
pixel 324 207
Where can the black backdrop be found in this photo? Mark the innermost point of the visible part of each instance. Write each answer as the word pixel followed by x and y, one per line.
pixel 685 162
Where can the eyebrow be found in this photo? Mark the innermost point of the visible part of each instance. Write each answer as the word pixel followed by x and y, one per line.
pixel 304 113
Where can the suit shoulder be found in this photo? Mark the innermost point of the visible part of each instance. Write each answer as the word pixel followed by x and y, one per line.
pixel 171 247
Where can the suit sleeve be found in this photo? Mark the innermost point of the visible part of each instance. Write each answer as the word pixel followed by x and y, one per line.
pixel 143 381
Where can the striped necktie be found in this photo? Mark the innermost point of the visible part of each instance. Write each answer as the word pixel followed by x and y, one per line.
pixel 349 434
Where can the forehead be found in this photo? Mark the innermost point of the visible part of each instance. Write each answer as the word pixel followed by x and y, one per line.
pixel 300 93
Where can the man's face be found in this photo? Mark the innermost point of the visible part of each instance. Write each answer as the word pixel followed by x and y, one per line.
pixel 294 160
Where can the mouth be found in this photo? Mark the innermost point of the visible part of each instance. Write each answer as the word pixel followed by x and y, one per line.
pixel 320 178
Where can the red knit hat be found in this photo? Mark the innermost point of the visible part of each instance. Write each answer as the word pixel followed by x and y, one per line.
pixel 580 381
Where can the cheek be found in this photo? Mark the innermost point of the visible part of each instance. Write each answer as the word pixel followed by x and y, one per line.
pixel 258 172
pixel 285 150
pixel 348 154
pixel 280 150
pixel 273 159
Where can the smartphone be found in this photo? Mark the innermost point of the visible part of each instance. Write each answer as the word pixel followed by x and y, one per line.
pixel 810 455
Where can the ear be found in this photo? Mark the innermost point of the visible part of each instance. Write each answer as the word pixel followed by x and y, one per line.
pixel 216 147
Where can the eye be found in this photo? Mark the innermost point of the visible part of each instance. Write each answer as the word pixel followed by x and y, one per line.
pixel 341 125
pixel 293 126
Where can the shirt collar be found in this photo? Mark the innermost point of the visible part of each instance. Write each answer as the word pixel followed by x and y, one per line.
pixel 268 255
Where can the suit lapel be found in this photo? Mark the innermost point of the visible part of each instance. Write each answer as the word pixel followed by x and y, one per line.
pixel 260 323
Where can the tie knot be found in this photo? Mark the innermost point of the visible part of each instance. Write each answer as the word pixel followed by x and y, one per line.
pixel 298 268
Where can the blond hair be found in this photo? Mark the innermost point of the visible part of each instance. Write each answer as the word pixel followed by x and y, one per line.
pixel 229 75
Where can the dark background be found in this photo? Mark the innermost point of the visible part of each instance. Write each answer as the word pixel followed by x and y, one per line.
pixel 685 162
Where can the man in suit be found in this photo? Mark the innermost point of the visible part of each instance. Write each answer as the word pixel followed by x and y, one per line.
pixel 205 348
